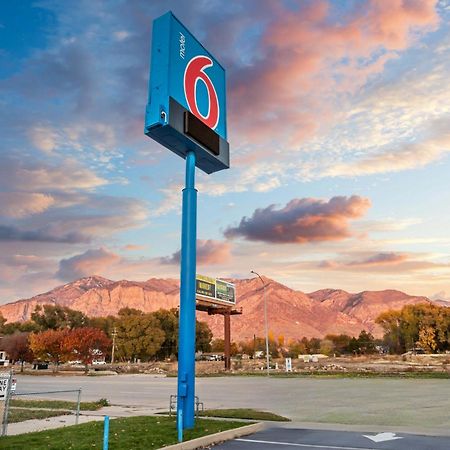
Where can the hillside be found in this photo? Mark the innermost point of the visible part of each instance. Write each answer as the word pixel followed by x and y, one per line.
pixel 292 314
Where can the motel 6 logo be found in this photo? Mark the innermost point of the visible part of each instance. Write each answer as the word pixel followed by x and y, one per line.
pixel 195 73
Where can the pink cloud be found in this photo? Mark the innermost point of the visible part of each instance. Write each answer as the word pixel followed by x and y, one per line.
pixel 208 252
pixel 91 262
pixel 302 220
pixel 299 64
pixel 22 204
pixel 383 258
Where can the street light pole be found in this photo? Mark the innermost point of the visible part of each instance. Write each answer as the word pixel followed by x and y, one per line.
pixel 265 321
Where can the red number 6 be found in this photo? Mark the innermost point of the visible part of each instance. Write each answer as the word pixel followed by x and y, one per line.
pixel 195 71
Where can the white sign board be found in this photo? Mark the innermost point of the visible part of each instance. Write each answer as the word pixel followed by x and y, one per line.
pixel 288 364
pixel 4 380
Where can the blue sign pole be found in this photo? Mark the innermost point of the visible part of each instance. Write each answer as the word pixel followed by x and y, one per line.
pixel 186 336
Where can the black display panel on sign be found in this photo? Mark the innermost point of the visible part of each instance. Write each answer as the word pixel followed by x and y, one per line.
pixel 195 128
pixel 206 288
pixel 225 291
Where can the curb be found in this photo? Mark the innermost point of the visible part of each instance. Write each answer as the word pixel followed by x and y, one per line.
pixel 217 437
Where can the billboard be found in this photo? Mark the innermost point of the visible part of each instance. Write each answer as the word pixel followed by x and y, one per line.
pixel 215 291
pixel 186 108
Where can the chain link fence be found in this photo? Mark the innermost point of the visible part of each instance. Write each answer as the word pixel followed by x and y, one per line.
pixel 21 406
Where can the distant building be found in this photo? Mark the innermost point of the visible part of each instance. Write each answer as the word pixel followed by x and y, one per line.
pixel 4 361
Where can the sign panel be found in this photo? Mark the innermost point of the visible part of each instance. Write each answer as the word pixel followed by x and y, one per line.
pixel 225 291
pixel 186 110
pixel 205 286
pixel 288 364
pixel 215 291
pixel 4 381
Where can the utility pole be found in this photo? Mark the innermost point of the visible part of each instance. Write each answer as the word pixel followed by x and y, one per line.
pixel 114 334
pixel 265 321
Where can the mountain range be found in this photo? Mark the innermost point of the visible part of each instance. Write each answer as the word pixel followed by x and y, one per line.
pixel 292 314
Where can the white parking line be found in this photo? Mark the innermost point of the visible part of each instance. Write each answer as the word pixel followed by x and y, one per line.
pixel 291 444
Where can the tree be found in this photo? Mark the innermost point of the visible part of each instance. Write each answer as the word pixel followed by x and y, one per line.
pixel 218 346
pixel 85 344
pixel 427 339
pixel 392 325
pixel 366 343
pixel 424 322
pixel 168 320
pixel 124 312
pixel 314 345
pixel 139 336
pixel 296 348
pixel 203 337
pixel 54 317
pixel 340 342
pixel 105 324
pixel 326 347
pixel 50 346
pixel 2 323
pixel 17 347
pixel 15 327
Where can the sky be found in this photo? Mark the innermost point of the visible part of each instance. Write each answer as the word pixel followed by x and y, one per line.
pixel 339 131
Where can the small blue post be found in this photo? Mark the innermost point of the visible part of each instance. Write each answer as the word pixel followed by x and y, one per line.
pixel 106 433
pixel 186 336
pixel 180 425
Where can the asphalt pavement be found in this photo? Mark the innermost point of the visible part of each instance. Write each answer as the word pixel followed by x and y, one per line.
pixel 416 406
pixel 277 438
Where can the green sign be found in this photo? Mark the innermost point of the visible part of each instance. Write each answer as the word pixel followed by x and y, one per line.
pixel 225 291
pixel 215 291
pixel 205 286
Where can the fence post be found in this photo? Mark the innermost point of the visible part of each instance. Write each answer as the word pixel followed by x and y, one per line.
pixel 106 433
pixel 78 406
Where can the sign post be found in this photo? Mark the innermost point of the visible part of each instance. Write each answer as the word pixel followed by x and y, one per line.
pixel 186 340
pixel 186 112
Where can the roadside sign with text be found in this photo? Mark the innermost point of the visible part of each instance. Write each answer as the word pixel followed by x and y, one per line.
pixel 4 381
pixel 215 291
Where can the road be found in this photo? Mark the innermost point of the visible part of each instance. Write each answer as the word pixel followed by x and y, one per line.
pixel 411 405
pixel 278 438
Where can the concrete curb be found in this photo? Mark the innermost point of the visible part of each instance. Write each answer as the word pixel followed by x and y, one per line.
pixel 218 437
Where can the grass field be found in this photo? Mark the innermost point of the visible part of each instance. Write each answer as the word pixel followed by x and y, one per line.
pixel 243 413
pixel 132 433
pixel 58 404
pixel 240 413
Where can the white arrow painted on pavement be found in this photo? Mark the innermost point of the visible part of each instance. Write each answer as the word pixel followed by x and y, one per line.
pixel 381 437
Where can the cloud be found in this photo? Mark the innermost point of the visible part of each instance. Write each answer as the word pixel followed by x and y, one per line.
pixel 405 157
pixel 22 204
pixel 91 262
pixel 305 57
pixel 11 233
pixel 380 259
pixel 209 252
pixel 383 262
pixel 68 175
pixel 302 220
pixel 133 247
pixel 43 138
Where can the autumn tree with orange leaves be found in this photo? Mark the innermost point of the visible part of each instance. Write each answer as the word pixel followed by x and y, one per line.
pixel 50 346
pixel 85 344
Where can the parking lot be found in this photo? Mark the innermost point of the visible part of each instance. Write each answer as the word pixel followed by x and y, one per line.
pixel 410 405
pixel 277 438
